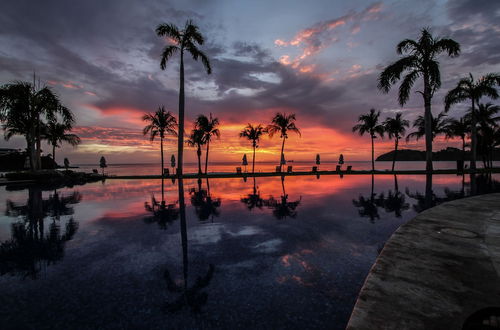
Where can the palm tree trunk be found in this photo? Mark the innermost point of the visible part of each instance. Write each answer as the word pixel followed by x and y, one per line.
pixel 180 141
pixel 253 160
pixel 473 139
pixel 395 153
pixel 373 154
pixel 463 148
pixel 54 155
pixel 198 153
pixel 281 156
pixel 206 156
pixel 428 124
pixel 38 159
pixel 31 149
pixel 396 186
pixel 161 150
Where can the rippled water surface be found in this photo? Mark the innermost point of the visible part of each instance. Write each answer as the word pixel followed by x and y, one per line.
pixel 268 254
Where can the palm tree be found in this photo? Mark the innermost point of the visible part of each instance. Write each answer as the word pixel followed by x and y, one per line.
pixel 468 89
pixel 197 139
pixel 420 60
pixel 184 40
pixel 439 125
pixel 458 128
pixel 22 110
pixel 253 133
pixel 209 128
pixel 369 124
pixel 55 134
pixel 160 123
pixel 282 123
pixel 396 128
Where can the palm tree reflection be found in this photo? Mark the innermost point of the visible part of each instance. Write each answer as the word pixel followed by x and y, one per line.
pixel 192 297
pixel 30 247
pixel 161 212
pixel 368 207
pixel 253 200
pixel 282 208
pixel 205 205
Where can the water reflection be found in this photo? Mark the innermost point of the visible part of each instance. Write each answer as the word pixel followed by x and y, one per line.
pixel 205 205
pixel 190 296
pixel 253 200
pixel 282 208
pixel 31 246
pixel 160 212
pixel 368 206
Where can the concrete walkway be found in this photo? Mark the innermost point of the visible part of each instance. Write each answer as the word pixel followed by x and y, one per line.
pixel 436 270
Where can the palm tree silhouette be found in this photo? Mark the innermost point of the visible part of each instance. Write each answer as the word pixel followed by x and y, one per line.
pixel 393 202
pixel 161 123
pixel 419 61
pixel 368 207
pixel 253 200
pixel 253 133
pixel 396 128
pixel 369 124
pixel 469 89
pixel 282 123
pixel 22 110
pixel 161 212
pixel 55 134
pixel 458 128
pixel 439 125
pixel 197 139
pixel 185 40
pixel 209 128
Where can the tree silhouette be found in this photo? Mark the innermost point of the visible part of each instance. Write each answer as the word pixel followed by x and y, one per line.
pixel 282 123
pixel 185 40
pixel 253 199
pixel 419 61
pixel 197 139
pixel 458 128
pixel 205 205
pixel 253 133
pixel 55 133
pixel 282 208
pixel 468 89
pixel 161 123
pixel 439 125
pixel 209 128
pixel 396 128
pixel 369 124
pixel 23 108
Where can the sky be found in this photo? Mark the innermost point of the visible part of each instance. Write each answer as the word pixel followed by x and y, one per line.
pixel 317 59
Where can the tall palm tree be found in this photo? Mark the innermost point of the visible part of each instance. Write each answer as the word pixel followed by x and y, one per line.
pixel 197 139
pixel 369 124
pixel 396 128
pixel 185 40
pixel 23 107
pixel 419 60
pixel 468 89
pixel 253 133
pixel 282 123
pixel 458 128
pixel 161 123
pixel 209 127
pixel 438 126
pixel 55 134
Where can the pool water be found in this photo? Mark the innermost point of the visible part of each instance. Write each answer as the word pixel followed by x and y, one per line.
pixel 270 253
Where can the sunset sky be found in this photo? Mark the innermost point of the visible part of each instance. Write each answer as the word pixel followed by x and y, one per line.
pixel 317 59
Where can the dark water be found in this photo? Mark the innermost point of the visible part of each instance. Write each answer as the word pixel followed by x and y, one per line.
pixel 277 254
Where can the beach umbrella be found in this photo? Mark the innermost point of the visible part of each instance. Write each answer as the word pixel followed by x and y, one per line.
pixel 341 159
pixel 318 161
pixel 245 161
pixel 172 161
pixel 283 160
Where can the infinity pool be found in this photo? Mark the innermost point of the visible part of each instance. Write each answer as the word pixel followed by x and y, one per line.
pixel 266 254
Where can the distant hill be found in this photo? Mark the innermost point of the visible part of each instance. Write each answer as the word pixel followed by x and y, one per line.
pixel 448 154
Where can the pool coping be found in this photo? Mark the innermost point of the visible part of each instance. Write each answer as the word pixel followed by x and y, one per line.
pixel 435 270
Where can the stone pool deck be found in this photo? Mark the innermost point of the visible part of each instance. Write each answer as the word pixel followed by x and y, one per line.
pixel 436 270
